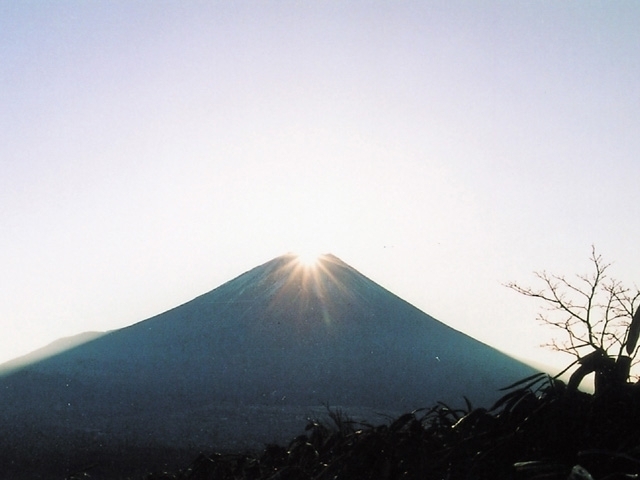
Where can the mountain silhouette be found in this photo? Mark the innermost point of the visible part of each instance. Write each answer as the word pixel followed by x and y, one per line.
pixel 243 365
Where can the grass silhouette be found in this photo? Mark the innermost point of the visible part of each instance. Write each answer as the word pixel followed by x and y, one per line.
pixel 537 430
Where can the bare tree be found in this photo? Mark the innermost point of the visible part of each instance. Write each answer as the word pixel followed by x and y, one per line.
pixel 596 314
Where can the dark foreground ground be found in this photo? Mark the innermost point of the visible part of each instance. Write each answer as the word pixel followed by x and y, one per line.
pixel 537 431
pixel 152 441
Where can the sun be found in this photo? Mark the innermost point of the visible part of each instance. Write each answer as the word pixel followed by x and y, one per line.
pixel 308 258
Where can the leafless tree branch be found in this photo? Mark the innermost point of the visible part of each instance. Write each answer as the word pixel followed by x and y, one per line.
pixel 593 310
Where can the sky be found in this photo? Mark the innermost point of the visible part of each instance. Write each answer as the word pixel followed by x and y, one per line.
pixel 152 151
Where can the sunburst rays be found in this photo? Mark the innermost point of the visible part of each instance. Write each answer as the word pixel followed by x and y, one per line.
pixel 306 288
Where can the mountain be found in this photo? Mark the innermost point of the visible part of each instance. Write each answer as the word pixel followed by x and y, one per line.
pixel 243 365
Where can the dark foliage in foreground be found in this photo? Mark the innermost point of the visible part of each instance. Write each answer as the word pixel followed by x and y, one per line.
pixel 538 430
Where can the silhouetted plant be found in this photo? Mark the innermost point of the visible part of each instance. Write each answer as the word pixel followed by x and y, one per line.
pixel 538 429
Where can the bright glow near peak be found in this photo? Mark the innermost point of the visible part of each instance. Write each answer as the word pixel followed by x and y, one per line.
pixel 308 258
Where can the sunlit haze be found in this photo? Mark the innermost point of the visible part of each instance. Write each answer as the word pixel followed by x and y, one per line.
pixel 153 151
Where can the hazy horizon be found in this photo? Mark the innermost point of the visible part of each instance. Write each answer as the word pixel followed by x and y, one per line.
pixel 153 151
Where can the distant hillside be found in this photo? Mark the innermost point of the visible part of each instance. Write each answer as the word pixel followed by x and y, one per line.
pixel 54 348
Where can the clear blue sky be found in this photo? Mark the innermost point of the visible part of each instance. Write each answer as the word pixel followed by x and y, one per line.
pixel 153 150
